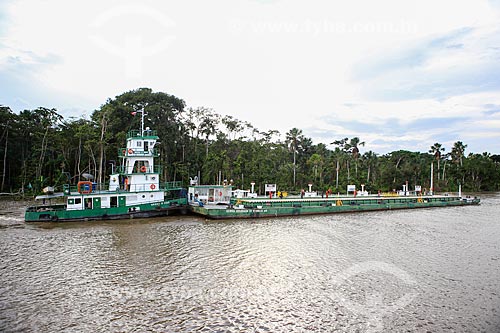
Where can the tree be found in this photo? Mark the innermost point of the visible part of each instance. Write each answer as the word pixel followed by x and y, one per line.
pixel 233 126
pixel 344 147
pixel 39 147
pixel 316 161
pixel 370 160
pixel 163 113
pixel 458 152
pixel 208 125
pixel 445 158
pixel 6 119
pixel 337 156
pixel 352 147
pixel 293 138
pixel 436 150
pixel 39 130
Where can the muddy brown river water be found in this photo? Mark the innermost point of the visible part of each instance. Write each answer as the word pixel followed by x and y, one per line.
pixel 430 270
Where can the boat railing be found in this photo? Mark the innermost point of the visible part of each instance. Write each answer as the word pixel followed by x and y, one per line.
pixel 96 188
pixel 172 185
pixel 87 188
pixel 124 152
pixel 341 201
pixel 137 133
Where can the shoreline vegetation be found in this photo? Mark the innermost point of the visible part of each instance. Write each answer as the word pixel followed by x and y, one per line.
pixel 40 148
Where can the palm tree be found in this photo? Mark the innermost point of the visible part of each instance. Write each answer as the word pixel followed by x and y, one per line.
pixel 458 152
pixel 436 150
pixel 293 138
pixel 352 146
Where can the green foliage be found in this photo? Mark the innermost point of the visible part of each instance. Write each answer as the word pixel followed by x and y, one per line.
pixel 39 148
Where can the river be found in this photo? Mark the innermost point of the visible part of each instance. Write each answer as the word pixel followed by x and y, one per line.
pixel 429 270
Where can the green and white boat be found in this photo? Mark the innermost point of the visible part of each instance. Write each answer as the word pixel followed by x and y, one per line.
pixel 133 190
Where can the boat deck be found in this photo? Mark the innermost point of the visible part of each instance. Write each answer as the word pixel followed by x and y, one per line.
pixel 264 207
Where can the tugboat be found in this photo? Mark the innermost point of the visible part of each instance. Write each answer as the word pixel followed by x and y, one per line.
pixel 133 191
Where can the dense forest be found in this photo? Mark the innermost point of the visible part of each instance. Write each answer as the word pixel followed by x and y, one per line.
pixel 40 148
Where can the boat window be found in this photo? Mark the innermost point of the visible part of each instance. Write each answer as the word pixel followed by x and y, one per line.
pixel 88 203
pixel 78 201
pixel 113 202
pixel 71 201
pixel 141 166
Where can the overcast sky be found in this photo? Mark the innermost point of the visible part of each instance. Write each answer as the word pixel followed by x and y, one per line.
pixel 397 74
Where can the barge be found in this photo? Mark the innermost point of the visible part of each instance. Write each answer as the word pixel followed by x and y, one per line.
pixel 294 206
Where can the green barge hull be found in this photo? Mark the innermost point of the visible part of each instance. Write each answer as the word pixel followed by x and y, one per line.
pixel 59 213
pixel 256 208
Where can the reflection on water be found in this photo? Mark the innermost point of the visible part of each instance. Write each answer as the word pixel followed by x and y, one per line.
pixel 419 270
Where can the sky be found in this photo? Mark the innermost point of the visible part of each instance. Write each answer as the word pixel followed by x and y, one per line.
pixel 397 74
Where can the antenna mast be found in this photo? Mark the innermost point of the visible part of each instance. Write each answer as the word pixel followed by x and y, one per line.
pixel 142 121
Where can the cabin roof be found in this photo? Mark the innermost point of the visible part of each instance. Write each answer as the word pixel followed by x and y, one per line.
pixel 49 196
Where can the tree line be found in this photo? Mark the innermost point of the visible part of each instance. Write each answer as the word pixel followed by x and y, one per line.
pixel 41 148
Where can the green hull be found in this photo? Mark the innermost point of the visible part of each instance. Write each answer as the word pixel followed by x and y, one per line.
pixel 294 207
pixel 248 208
pixel 59 213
